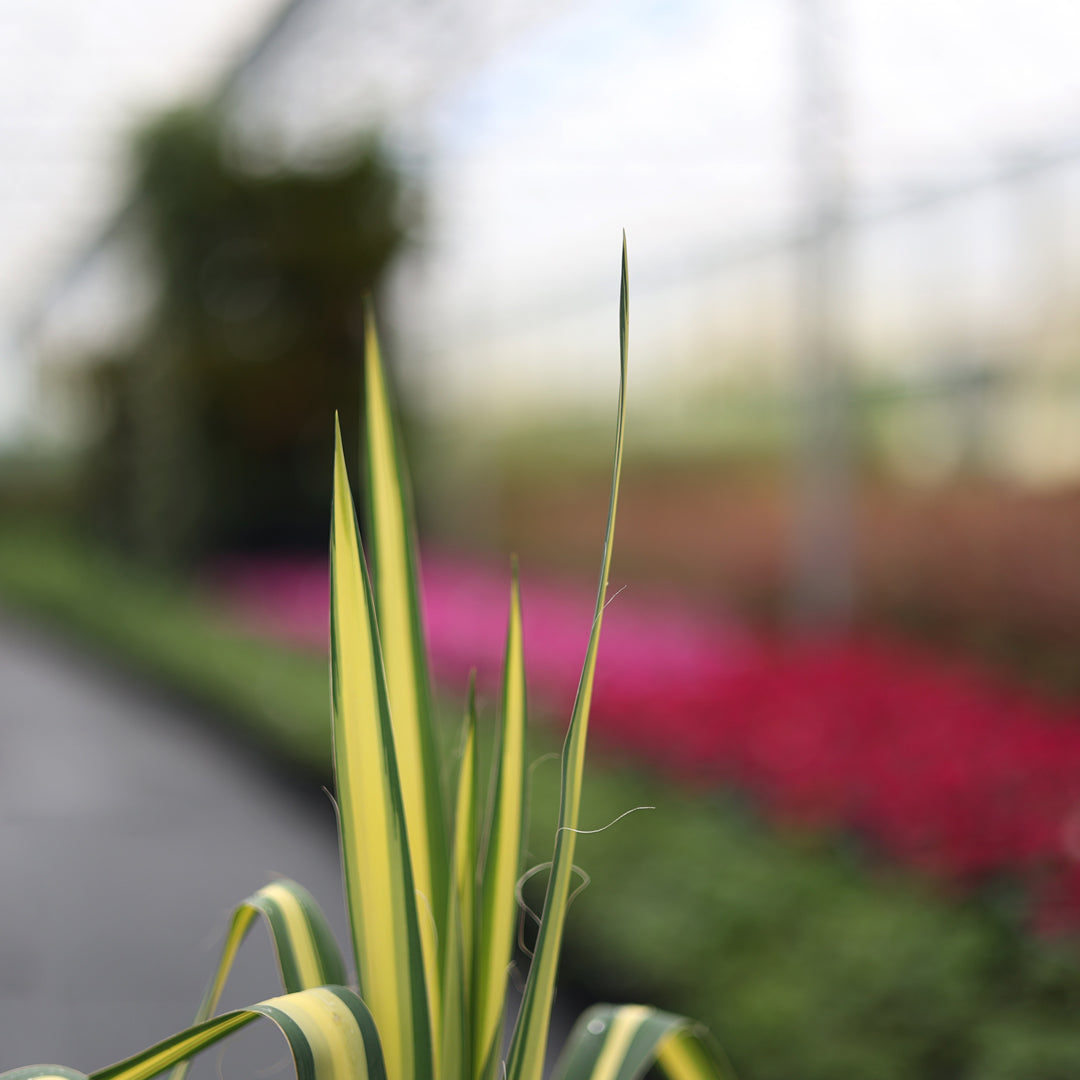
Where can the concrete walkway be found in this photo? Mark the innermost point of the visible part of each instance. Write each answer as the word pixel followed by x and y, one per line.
pixel 128 830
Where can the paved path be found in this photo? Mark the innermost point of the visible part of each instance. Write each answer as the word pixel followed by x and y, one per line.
pixel 128 830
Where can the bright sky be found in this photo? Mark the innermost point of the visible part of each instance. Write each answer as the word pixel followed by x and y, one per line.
pixel 675 119
pixel 679 120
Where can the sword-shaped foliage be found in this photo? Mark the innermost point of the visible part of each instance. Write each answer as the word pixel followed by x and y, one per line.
pixel 382 902
pixel 502 858
pixel 432 911
pixel 531 1030
pixel 397 606
pixel 456 1044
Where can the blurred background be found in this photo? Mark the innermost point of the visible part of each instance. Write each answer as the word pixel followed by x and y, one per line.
pixel 850 519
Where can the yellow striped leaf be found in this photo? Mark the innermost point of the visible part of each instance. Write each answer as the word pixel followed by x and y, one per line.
pixel 688 1053
pixel 502 856
pixel 329 1030
pixel 461 914
pixel 530 1033
pixel 467 831
pixel 374 839
pixel 395 581
pixel 307 954
pixel 621 1042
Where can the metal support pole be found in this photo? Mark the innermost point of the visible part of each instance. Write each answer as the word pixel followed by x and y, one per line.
pixel 822 584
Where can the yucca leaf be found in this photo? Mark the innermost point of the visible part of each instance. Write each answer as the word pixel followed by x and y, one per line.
pixel 689 1053
pixel 374 840
pixel 467 831
pixel 502 855
pixel 456 1046
pixel 43 1072
pixel 395 581
pixel 307 953
pixel 530 1033
pixel 612 1042
pixel 329 1030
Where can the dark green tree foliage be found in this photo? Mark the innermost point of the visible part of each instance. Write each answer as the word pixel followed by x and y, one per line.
pixel 218 423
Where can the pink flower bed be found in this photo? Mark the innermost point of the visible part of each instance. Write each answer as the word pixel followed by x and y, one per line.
pixel 943 767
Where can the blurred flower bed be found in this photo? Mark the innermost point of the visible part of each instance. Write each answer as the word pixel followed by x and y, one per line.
pixel 983 568
pixel 936 763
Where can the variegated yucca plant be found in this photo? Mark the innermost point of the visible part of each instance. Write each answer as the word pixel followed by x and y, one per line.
pixel 432 897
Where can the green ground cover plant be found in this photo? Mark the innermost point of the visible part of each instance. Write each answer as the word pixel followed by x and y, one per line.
pixel 804 956
pixel 432 900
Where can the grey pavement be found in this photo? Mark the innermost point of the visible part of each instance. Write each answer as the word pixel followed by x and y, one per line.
pixel 129 828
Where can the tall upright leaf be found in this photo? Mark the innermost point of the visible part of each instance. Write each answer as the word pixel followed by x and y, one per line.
pixel 502 857
pixel 395 581
pixel 456 1045
pixel 374 837
pixel 466 855
pixel 531 1029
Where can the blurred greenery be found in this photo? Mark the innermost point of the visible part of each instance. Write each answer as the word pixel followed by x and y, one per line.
pixel 808 960
pixel 215 423
pixel 804 961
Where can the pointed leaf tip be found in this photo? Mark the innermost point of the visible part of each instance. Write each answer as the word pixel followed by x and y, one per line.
pixel 395 581
pixel 530 1032
pixel 503 851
